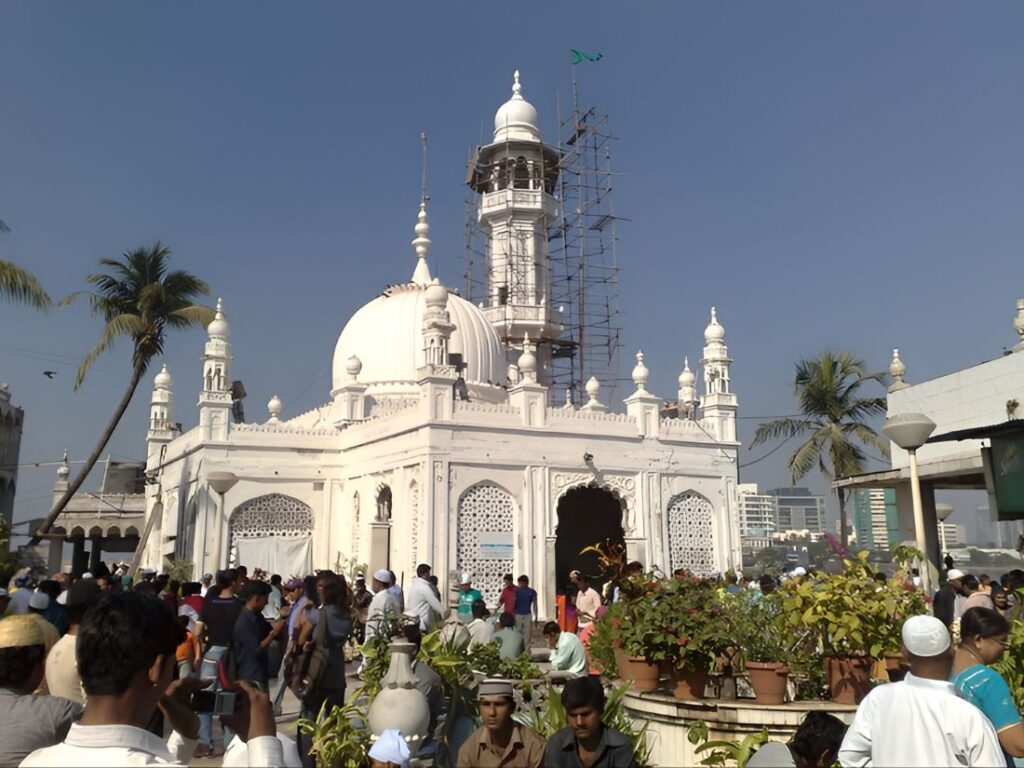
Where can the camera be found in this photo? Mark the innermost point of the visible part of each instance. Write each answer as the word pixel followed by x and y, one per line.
pixel 215 703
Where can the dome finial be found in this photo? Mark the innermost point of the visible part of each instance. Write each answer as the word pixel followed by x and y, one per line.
pixel 527 362
pixel 218 327
pixel 641 375
pixel 897 369
pixel 421 275
pixel 274 407
pixel 715 332
pixel 517 89
pixel 516 118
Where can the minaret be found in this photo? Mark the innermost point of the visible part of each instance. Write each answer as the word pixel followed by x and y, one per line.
pixel 687 402
pixel 161 413
pixel 515 176
pixel 215 393
pixel 719 404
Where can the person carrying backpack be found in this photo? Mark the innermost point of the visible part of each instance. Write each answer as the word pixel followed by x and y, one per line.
pixel 320 682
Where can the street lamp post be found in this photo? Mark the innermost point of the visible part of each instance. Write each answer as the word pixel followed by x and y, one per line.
pixel 943 511
pixel 220 483
pixel 910 431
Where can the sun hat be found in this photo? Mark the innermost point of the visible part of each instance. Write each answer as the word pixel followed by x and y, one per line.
pixel 925 636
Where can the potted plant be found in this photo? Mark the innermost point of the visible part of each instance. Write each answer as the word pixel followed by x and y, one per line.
pixel 757 626
pixel 899 599
pixel 849 620
pixel 688 629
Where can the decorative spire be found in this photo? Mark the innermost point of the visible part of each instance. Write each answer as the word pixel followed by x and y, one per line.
pixel 714 332
pixel 163 379
pixel 1018 325
pixel 274 407
pixel 641 375
pixel 65 468
pixel 593 390
pixel 687 377
pixel 569 405
pixel 517 89
pixel 527 362
pixel 218 327
pixel 353 366
pixel 421 276
pixel 896 370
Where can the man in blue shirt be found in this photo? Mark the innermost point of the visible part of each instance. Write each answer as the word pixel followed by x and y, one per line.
pixel 526 610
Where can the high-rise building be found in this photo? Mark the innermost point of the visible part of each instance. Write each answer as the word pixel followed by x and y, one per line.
pixel 875 518
pixel 799 510
pixel 951 535
pixel 757 517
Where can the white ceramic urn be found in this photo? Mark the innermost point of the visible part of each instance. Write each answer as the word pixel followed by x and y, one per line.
pixel 400 705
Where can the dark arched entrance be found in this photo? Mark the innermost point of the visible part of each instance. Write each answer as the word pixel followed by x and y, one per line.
pixel 587 515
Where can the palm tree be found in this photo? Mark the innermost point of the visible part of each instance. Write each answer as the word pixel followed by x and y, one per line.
pixel 19 285
pixel 833 421
pixel 138 298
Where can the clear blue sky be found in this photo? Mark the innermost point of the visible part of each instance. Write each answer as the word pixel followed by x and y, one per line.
pixel 827 174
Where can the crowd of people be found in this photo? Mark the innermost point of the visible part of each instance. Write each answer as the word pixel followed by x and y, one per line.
pixel 104 670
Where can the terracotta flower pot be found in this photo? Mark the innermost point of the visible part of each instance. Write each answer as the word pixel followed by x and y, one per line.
pixel 690 683
pixel 768 679
pixel 895 667
pixel 642 674
pixel 849 678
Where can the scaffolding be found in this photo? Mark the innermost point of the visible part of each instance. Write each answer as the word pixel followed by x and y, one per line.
pixel 582 251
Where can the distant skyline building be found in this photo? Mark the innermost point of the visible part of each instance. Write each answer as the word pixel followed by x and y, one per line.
pixel 758 517
pixel 952 534
pixel 11 420
pixel 797 509
pixel 876 521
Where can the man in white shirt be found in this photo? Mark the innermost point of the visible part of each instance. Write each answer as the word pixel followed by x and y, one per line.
pixel 422 600
pixel 921 721
pixel 383 608
pixel 480 631
pixel 206 582
pixel 126 646
pixel 587 601
pixel 62 678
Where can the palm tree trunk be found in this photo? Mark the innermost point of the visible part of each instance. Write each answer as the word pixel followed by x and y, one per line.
pixel 137 370
pixel 843 539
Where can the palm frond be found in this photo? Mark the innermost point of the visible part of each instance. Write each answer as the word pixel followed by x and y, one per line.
pixel 19 285
pixel 192 315
pixel 122 325
pixel 805 457
pixel 781 428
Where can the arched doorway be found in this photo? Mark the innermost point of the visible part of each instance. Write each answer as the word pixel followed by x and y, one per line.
pixel 272 532
pixel 587 515
pixel 691 534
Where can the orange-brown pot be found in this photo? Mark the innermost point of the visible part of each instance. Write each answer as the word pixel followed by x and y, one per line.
pixel 642 674
pixel 690 683
pixel 768 679
pixel 849 678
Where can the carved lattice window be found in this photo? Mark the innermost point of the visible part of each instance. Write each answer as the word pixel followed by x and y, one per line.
pixel 484 530
pixel 272 515
pixel 691 537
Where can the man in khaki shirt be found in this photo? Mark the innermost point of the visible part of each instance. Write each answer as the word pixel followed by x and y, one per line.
pixel 500 742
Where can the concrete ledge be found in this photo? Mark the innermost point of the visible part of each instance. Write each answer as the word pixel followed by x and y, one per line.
pixel 669 719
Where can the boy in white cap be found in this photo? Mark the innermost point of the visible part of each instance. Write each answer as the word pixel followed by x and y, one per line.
pixel 921 721
pixel 467 596
pixel 383 607
pixel 389 751
pixel 500 742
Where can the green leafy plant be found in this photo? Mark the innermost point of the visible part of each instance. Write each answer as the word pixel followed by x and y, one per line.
pixel 757 627
pixel 179 570
pixel 487 659
pixel 545 714
pixel 339 737
pixel 850 613
pixel 722 752
pixel 1011 666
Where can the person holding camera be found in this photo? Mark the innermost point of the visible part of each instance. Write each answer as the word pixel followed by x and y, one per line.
pixel 126 659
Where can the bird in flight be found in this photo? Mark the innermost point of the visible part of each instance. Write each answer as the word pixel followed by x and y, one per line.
pixel 49 374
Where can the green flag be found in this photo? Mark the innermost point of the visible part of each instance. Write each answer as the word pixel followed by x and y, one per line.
pixel 578 56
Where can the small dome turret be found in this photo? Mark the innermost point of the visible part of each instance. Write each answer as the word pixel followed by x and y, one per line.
pixel 715 330
pixel 516 118
pixel 218 327
pixel 163 379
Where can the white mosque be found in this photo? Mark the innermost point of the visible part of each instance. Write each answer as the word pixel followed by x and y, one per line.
pixel 439 442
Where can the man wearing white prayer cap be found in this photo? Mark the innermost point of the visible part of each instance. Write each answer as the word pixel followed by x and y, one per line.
pixel 389 751
pixel 500 742
pixel 921 721
pixel 467 596
pixel 384 607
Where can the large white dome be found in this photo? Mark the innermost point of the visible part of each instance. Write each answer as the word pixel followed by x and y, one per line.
pixel 516 118
pixel 387 337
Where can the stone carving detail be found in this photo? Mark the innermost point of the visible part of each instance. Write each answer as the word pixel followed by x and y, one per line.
pixel 483 508
pixel 355 525
pixel 691 538
pixel 272 515
pixel 415 524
